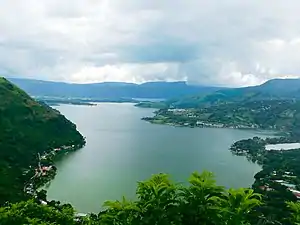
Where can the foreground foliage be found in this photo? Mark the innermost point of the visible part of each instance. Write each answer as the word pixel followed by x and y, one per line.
pixel 202 202
pixel 30 212
pixel 159 201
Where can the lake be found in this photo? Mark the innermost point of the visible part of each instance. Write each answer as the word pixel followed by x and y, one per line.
pixel 122 149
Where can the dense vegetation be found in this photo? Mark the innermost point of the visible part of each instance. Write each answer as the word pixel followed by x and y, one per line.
pixel 278 181
pixel 161 202
pixel 265 114
pixel 154 105
pixel 281 115
pixel 27 128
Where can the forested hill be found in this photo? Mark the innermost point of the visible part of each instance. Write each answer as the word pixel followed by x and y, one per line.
pixel 276 89
pixel 27 128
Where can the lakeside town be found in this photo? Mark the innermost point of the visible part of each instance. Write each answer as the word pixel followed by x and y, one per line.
pixel 45 169
pixel 278 115
pixel 286 180
pixel 280 168
pixel 192 118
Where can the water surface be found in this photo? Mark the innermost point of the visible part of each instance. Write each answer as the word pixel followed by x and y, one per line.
pixel 121 149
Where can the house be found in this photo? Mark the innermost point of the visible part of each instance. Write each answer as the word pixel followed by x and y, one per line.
pixel 46 168
pixel 266 188
pixel 295 192
pixel 279 181
pixel 43 202
pixel 289 174
pixel 282 182
pixel 199 123
pixel 274 173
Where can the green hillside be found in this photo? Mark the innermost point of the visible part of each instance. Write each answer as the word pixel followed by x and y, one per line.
pixel 281 115
pixel 277 89
pixel 27 128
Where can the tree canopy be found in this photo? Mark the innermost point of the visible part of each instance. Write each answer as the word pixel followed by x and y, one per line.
pixel 162 202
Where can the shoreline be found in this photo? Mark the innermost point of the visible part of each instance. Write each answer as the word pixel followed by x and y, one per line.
pixel 45 170
pixel 277 133
pixel 259 155
pixel 278 169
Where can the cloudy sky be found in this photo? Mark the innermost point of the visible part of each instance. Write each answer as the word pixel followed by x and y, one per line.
pixel 211 42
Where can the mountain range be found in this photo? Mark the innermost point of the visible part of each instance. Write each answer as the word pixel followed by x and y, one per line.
pixel 171 94
pixel 110 90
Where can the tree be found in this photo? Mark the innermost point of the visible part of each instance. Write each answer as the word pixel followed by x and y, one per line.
pixel 30 212
pixel 295 215
pixel 160 202
pixel 120 212
pixel 41 195
pixel 237 205
pixel 199 204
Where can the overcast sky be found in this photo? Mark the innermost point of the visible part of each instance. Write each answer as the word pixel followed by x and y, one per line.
pixel 211 42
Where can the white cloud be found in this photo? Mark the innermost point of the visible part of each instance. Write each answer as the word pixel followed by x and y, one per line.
pixel 228 42
pixel 136 73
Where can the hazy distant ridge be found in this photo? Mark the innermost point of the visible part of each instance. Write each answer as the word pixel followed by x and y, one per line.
pixel 111 90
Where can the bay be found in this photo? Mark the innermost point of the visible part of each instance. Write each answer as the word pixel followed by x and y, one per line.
pixel 122 149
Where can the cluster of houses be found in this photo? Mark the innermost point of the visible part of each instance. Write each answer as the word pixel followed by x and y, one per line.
pixel 43 170
pixel 221 125
pixel 289 186
pixel 178 111
pixel 191 114
pixel 64 147
pixel 205 124
pixel 187 112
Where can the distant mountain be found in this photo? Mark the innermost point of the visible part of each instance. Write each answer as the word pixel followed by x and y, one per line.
pixel 277 89
pixel 27 128
pixel 111 90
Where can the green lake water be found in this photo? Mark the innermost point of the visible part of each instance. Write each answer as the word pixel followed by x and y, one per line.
pixel 122 149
